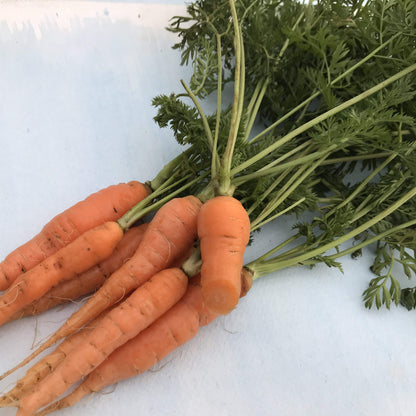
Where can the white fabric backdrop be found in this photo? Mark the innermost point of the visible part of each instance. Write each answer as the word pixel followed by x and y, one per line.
pixel 76 83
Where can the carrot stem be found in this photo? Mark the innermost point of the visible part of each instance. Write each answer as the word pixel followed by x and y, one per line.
pixel 225 187
pixel 208 133
pixel 140 210
pixel 260 268
pixel 322 117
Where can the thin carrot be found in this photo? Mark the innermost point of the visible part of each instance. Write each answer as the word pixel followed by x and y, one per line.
pixel 173 329
pixel 136 313
pixel 87 250
pixel 108 204
pixel 46 365
pixel 171 233
pixel 224 232
pixel 88 282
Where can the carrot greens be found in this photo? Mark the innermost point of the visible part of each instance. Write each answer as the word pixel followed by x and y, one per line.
pixel 322 121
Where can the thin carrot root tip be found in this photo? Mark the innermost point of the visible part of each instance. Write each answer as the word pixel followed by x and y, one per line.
pixel 122 323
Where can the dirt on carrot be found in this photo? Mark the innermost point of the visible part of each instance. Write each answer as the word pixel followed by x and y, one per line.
pixel 137 312
pixel 170 234
pixel 88 282
pixel 176 327
pixel 108 204
pixel 90 248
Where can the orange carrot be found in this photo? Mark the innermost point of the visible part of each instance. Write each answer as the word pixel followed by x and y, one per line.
pixel 171 233
pixel 136 313
pixel 108 204
pixel 224 232
pixel 89 281
pixel 173 329
pixel 46 365
pixel 87 250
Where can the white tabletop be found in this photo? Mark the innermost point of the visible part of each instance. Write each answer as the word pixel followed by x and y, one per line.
pixel 76 83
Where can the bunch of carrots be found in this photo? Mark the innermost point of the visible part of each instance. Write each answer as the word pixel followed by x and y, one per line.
pixel 149 287
pixel 152 283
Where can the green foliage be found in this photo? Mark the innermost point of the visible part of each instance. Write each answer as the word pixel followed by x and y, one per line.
pixel 180 117
pixel 313 57
pixel 382 290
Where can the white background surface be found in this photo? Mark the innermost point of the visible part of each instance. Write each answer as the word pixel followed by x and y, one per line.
pixel 76 83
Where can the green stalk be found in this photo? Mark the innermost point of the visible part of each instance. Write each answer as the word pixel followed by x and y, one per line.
pixel 297 178
pixel 356 158
pixel 277 248
pixel 267 192
pixel 215 163
pixel 252 112
pixel 168 170
pixel 319 119
pixel 367 242
pixel 369 204
pixel 275 183
pixel 255 97
pixel 364 183
pixel 194 99
pixel 261 268
pixel 287 155
pixel 300 161
pixel 273 217
pixel 225 187
pixel 141 209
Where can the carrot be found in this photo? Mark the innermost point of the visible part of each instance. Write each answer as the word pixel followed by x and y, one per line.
pixel 89 281
pixel 173 329
pixel 137 312
pixel 171 233
pixel 87 250
pixel 108 204
pixel 46 365
pixel 224 232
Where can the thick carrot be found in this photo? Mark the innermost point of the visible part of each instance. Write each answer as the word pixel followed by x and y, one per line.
pixel 47 365
pixel 108 204
pixel 171 233
pixel 136 313
pixel 87 250
pixel 89 281
pixel 224 232
pixel 173 329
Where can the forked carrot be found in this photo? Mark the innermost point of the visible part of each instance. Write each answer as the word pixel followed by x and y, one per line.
pixel 173 329
pixel 136 313
pixel 89 281
pixel 224 232
pixel 108 204
pixel 78 256
pixel 171 233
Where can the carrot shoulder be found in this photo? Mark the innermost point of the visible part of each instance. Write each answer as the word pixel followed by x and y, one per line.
pixel 89 281
pixel 224 232
pixel 87 250
pixel 137 312
pixel 108 204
